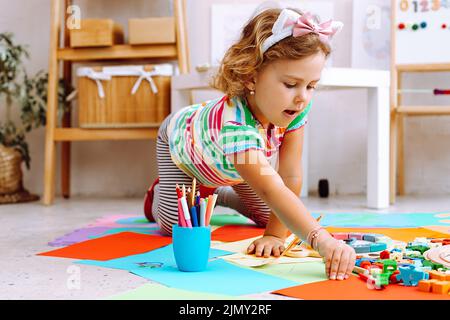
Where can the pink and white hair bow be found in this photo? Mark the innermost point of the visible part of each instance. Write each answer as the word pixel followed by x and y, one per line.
pixel 290 23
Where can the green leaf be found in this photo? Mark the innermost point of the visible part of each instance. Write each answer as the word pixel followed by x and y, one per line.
pixel 29 93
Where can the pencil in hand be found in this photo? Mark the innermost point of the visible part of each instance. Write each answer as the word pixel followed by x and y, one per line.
pixel 295 242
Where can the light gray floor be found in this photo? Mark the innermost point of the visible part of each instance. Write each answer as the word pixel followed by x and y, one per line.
pixel 25 230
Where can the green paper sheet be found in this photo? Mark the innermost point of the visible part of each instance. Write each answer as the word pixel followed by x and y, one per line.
pixel 154 291
pixel 229 219
pixel 305 272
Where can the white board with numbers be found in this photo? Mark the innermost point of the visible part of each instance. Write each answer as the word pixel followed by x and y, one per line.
pixel 422 31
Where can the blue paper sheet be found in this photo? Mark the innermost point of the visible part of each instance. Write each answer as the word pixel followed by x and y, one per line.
pixel 152 259
pixel 220 277
pixel 383 220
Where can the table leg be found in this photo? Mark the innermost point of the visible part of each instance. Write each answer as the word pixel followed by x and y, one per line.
pixel 378 148
pixel 304 192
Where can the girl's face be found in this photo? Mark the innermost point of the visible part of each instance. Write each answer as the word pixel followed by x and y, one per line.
pixel 284 88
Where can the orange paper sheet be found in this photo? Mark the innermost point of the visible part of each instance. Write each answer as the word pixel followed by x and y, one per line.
pixel 238 232
pixel 400 234
pixel 232 233
pixel 356 289
pixel 111 247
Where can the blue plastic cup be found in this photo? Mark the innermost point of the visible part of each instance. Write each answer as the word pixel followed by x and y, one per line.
pixel 191 247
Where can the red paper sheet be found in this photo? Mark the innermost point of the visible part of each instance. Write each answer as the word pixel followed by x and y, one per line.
pixel 356 289
pixel 235 233
pixel 111 247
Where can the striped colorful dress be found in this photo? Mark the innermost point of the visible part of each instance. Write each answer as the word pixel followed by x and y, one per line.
pixel 202 136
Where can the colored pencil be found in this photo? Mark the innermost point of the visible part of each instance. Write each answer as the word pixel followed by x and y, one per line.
pixel 187 217
pixel 211 210
pixel 194 184
pixel 194 216
pixel 184 191
pixel 208 210
pixel 202 212
pixel 188 198
pixel 197 207
pixel 214 197
pixel 197 198
pixel 181 220
pixel 179 193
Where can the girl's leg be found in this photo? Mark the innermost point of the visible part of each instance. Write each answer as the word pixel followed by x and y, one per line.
pixel 165 202
pixel 244 200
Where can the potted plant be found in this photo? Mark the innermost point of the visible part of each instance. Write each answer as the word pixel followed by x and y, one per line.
pixel 17 89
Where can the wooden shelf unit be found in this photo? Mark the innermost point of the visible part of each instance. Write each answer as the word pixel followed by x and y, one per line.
pixel 65 56
pixel 79 134
pixel 432 67
pixel 122 51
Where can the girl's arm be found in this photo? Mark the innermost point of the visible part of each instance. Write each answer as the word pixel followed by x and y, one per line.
pixel 254 168
pixel 290 170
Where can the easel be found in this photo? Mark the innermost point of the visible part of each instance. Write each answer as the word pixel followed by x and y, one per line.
pixel 399 111
pixel 177 51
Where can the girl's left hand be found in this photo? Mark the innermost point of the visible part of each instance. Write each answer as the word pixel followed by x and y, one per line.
pixel 267 245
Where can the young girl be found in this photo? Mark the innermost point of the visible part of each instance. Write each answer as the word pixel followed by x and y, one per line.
pixel 248 143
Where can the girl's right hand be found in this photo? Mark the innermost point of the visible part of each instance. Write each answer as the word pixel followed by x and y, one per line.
pixel 339 257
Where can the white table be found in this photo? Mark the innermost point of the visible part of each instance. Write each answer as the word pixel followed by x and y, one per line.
pixel 377 83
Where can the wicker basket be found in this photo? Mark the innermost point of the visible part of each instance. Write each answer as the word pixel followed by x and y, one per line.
pixel 10 171
pixel 128 96
pixel 11 188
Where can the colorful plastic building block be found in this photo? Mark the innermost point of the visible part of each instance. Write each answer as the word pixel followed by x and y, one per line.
pixel 372 237
pixel 378 246
pixel 420 248
pixel 443 242
pixel 364 243
pixel 425 285
pixel 442 287
pixel 357 236
pixel 433 265
pixel 410 275
pixel 381 278
pixel 441 276
pixel 385 254
pixel 340 235
pixel 370 281
pixel 393 278
pixel 389 266
pixel 365 264
pixel 360 246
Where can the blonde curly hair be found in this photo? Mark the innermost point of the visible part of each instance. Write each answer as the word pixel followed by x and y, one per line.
pixel 243 59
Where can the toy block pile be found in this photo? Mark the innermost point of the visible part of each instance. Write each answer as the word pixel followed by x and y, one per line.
pixel 407 264
pixel 439 282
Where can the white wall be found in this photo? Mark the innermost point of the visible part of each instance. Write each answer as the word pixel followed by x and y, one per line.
pixel 337 122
